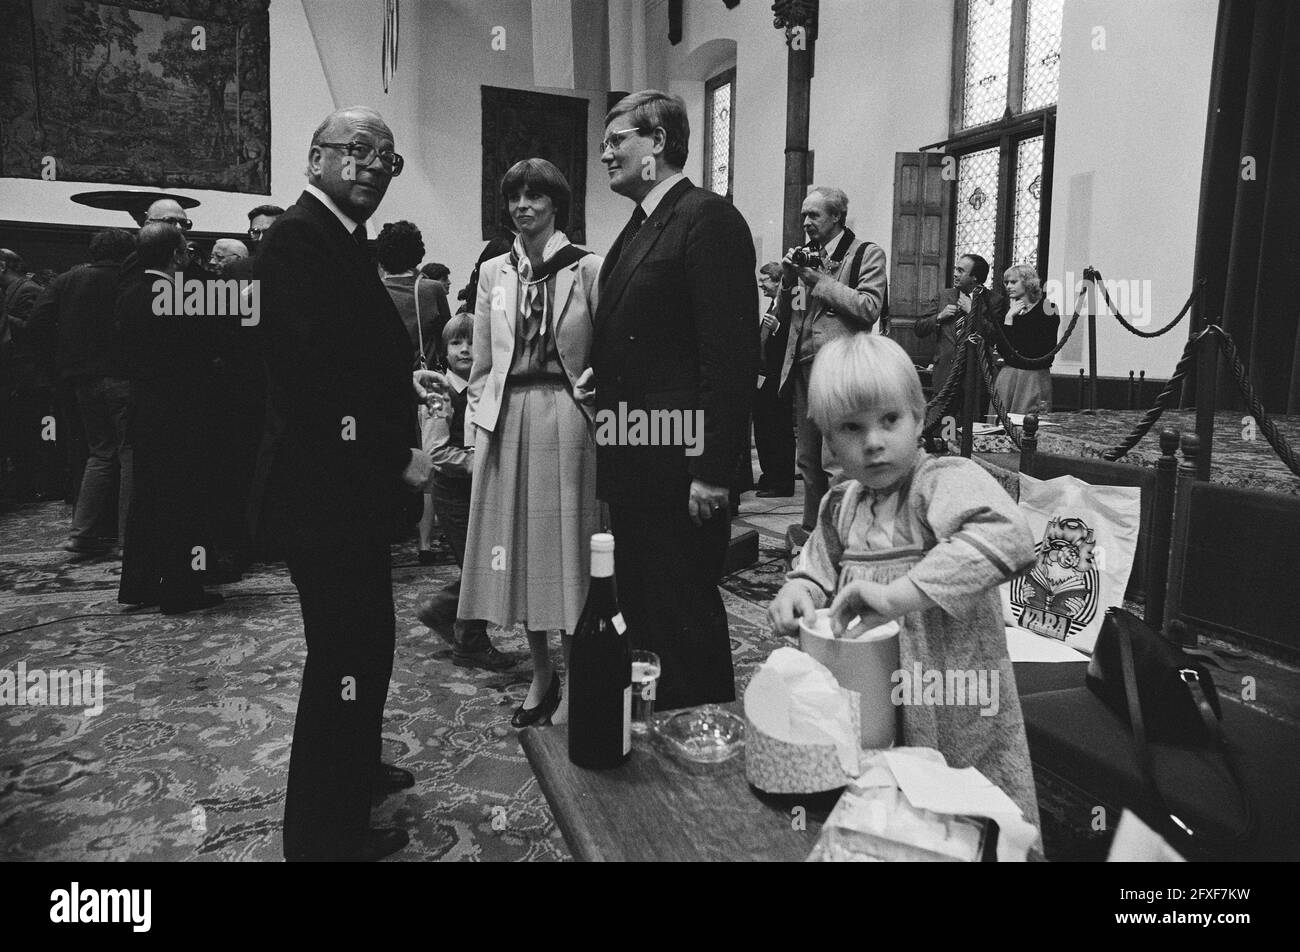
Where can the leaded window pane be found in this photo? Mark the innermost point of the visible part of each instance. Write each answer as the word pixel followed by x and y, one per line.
pixel 720 139
pixel 988 40
pixel 1029 186
pixel 977 204
pixel 1042 53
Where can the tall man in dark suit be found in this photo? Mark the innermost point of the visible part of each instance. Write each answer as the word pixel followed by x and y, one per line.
pixel 676 329
pixel 343 444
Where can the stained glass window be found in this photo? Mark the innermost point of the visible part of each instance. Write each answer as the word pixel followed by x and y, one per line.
pixel 988 41
pixel 719 93
pixel 1042 53
pixel 1029 191
pixel 977 204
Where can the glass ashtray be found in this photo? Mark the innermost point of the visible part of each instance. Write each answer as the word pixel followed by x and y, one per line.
pixel 704 735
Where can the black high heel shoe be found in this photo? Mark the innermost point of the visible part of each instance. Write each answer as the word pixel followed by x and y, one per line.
pixel 541 714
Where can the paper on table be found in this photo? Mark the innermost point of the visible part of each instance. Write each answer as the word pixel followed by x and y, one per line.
pixel 1026 645
pixel 933 785
pixel 795 699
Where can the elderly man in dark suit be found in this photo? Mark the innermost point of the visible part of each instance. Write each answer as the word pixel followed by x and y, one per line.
pixel 343 444
pixel 676 330
pixel 949 320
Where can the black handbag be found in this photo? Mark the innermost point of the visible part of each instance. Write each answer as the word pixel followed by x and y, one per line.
pixel 1147 681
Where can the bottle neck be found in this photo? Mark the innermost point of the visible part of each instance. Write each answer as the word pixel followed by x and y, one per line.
pixel 602 565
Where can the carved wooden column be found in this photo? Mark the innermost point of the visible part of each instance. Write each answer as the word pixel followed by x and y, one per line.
pixel 799 20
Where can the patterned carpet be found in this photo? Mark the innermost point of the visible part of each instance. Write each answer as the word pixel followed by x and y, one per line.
pixel 1241 455
pixel 188 759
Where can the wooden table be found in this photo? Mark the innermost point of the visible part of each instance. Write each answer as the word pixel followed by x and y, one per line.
pixel 657 808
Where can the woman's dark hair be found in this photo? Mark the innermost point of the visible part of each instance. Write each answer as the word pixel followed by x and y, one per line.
pixel 400 247
pixel 435 271
pixel 543 177
pixel 111 244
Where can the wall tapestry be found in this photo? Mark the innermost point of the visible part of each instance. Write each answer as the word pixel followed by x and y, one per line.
pixel 165 93
pixel 518 124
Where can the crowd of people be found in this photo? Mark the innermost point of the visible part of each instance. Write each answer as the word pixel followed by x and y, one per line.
pixel 348 402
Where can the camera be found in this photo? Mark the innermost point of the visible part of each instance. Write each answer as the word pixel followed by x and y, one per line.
pixel 809 256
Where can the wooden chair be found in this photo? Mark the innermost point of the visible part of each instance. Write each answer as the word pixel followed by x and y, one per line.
pixel 1150 559
pixel 1234 563
pixel 1221 535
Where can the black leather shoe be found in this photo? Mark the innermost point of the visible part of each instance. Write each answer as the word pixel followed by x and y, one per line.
pixel 778 492
pixel 390 779
pixel 541 714
pixel 382 842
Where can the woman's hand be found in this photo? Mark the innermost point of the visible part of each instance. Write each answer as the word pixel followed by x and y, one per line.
pixel 429 383
pixel 584 388
pixel 866 600
pixel 793 602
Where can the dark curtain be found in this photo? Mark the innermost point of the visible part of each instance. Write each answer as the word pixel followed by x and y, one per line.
pixel 1248 233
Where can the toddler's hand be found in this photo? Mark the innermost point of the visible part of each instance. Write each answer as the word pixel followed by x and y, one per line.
pixel 791 603
pixel 866 600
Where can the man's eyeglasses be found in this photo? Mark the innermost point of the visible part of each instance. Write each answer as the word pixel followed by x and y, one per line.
pixel 256 233
pixel 615 138
pixel 184 223
pixel 365 153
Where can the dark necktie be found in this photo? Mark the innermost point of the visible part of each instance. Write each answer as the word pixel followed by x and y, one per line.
pixel 620 246
pixel 635 223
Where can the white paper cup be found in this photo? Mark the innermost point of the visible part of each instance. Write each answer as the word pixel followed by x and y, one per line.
pixel 865 665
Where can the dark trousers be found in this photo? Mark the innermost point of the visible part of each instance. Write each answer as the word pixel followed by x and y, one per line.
pixel 165 532
pixel 451 506
pixel 774 432
pixel 346 594
pixel 103 402
pixel 235 417
pixel 667 573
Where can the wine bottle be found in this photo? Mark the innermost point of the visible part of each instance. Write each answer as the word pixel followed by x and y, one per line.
pixel 600 670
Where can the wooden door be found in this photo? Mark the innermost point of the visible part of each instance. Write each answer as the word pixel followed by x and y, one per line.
pixel 920 259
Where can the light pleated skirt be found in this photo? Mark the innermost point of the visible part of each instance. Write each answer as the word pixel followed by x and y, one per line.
pixel 533 510
pixel 1024 391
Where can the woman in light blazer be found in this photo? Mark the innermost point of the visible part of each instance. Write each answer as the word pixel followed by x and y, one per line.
pixel 533 505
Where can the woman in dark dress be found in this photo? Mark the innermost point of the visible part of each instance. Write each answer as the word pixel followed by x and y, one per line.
pixel 1030 326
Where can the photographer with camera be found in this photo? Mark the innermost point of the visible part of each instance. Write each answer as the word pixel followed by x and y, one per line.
pixel 833 286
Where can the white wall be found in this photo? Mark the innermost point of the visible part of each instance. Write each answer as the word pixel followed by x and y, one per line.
pixel 1126 184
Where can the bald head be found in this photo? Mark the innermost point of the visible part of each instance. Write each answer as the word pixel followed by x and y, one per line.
pixel 11 263
pixel 225 251
pixel 167 210
pixel 356 187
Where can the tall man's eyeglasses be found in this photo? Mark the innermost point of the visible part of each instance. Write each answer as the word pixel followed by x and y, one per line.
pixel 365 153
pixel 615 138
pixel 184 223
